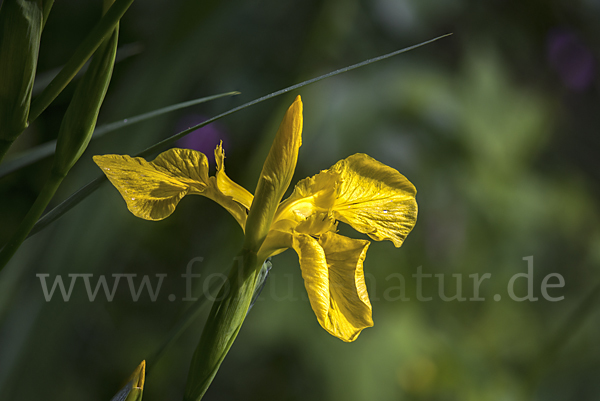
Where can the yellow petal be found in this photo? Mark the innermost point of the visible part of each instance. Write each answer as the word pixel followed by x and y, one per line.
pixel 332 268
pixel 375 199
pixel 311 195
pixel 226 185
pixel 152 190
pixel 317 224
pixel 237 210
pixel 280 236
pixel 275 177
pixel 276 242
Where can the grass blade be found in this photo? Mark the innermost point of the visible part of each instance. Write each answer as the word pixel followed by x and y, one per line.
pixel 67 205
pixel 164 143
pixel 47 149
pixel 42 80
pixel 85 191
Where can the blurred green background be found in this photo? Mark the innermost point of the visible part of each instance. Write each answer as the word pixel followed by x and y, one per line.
pixel 497 127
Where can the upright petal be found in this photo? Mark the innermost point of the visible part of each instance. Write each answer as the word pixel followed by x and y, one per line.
pixel 332 268
pixel 275 177
pixel 152 190
pixel 375 199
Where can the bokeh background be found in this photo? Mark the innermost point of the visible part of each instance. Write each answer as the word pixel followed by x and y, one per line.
pixel 497 127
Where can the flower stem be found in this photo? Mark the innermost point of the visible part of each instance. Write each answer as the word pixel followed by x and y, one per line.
pixel 223 325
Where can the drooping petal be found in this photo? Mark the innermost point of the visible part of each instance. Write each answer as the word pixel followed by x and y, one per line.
pixel 375 199
pixel 332 268
pixel 227 186
pixel 275 177
pixel 152 190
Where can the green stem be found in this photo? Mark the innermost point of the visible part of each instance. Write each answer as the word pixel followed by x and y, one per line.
pixel 30 219
pixel 223 325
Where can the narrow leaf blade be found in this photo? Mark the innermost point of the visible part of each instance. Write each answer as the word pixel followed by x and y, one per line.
pixel 47 149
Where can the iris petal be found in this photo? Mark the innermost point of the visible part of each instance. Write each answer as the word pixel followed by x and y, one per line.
pixel 375 199
pixel 332 268
pixel 152 190
pixel 311 195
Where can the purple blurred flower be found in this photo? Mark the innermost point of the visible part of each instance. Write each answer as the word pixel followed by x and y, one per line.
pixel 571 59
pixel 204 139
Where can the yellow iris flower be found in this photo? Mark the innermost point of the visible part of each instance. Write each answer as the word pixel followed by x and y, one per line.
pixel 369 196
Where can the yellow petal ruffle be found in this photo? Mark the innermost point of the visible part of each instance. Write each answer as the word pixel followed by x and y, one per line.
pixel 375 199
pixel 152 190
pixel 332 268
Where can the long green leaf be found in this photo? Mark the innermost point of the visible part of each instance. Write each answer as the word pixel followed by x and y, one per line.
pixel 101 31
pixel 47 149
pixel 85 191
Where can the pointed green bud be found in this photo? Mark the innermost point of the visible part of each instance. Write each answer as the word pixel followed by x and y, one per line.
pixel 80 119
pixel 20 31
pixel 134 388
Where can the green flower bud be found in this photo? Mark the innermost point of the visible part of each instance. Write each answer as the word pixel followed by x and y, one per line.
pixel 20 31
pixel 80 119
pixel 134 388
